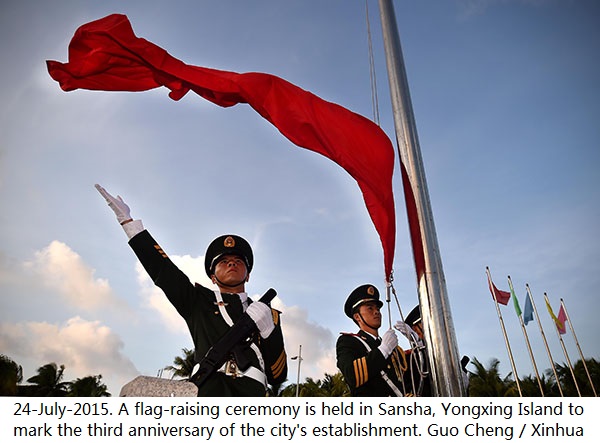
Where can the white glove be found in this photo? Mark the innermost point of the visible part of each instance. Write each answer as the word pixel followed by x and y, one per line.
pixel 407 331
pixel 389 341
pixel 123 213
pixel 119 207
pixel 261 314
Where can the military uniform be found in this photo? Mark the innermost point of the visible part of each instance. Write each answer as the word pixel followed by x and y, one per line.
pixel 362 368
pixel 365 369
pixel 208 315
pixel 417 379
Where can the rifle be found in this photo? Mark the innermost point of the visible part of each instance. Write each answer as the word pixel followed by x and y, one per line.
pixel 230 343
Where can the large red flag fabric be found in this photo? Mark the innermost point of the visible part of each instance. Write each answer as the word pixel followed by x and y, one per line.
pixel 106 55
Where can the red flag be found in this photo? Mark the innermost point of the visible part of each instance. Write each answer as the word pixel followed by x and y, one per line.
pixel 414 224
pixel 106 55
pixel 562 320
pixel 501 296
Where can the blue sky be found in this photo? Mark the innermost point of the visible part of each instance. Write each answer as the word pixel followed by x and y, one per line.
pixel 506 99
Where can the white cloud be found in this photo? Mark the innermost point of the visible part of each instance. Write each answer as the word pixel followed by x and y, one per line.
pixel 84 347
pixel 318 347
pixel 154 298
pixel 62 269
pixel 473 8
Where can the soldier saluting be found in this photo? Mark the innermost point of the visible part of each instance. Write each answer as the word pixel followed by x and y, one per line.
pixel 210 314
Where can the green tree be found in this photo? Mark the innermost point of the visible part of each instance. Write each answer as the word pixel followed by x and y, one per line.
pixel 566 378
pixel 288 391
pixel 183 366
pixel 311 388
pixel 486 382
pixel 335 385
pixel 48 381
pixel 11 374
pixel 531 388
pixel 90 386
pixel 331 386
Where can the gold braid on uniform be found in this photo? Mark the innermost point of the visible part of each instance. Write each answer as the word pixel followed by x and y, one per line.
pixel 399 361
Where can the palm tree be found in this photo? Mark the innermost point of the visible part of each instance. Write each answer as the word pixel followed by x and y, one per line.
pixel 487 382
pixel 183 366
pixel 335 385
pixel 531 388
pixel 566 378
pixel 288 391
pixel 90 386
pixel 48 381
pixel 11 374
pixel 331 386
pixel 311 388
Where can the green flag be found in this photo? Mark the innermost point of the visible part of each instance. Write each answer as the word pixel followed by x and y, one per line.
pixel 515 302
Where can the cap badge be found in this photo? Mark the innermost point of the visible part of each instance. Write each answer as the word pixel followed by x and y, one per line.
pixel 371 290
pixel 229 242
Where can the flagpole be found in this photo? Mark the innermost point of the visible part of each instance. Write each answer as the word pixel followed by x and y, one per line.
pixel 562 303
pixel 510 355
pixel 438 327
pixel 299 357
pixel 537 317
pixel 562 343
pixel 537 375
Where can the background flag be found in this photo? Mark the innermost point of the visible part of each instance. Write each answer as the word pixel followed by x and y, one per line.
pixel 562 318
pixel 515 302
pixel 106 55
pixel 501 296
pixel 528 313
pixel 558 321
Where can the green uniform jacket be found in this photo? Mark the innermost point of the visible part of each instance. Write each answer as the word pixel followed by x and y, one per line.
pixel 362 369
pixel 198 307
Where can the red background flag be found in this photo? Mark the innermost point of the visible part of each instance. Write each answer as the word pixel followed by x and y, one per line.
pixel 562 320
pixel 106 55
pixel 559 321
pixel 501 296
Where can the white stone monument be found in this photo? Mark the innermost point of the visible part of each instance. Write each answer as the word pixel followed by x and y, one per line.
pixel 144 386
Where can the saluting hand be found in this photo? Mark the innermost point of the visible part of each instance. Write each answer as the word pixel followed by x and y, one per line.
pixel 119 207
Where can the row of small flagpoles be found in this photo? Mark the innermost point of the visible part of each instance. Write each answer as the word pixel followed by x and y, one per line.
pixel 502 297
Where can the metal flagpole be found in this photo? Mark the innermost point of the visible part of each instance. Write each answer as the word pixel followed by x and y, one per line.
pixel 438 327
pixel 545 341
pixel 562 343
pixel 537 374
pixel 299 357
pixel 562 303
pixel 510 356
